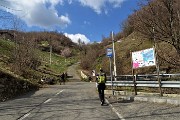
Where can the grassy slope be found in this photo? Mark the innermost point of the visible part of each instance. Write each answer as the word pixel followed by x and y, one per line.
pixel 58 65
pixel 6 48
pixel 135 42
pixel 123 51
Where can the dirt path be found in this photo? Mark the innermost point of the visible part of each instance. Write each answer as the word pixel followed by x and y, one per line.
pixel 73 72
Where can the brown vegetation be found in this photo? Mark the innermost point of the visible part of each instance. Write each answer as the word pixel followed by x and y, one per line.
pixel 155 23
pixel 11 86
pixel 159 21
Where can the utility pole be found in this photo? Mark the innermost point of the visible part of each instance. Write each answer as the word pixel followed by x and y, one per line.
pixel 114 58
pixel 50 58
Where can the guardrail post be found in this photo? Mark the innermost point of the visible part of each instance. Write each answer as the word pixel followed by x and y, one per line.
pixel 159 81
pixel 134 81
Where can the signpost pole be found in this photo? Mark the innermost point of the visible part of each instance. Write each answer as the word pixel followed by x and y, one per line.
pixel 114 58
pixel 111 75
pixel 109 54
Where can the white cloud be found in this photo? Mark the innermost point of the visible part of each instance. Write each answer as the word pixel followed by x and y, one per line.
pixel 116 3
pixel 94 4
pixel 40 13
pixel 99 5
pixel 76 37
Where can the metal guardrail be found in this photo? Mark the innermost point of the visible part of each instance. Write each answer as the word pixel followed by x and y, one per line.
pixel 164 84
pixel 149 75
pixel 148 80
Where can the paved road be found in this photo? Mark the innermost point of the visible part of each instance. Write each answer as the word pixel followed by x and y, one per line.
pixel 79 101
pixel 136 110
pixel 72 71
pixel 73 101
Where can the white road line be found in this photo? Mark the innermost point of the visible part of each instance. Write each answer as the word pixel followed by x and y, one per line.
pixel 59 92
pixel 23 117
pixel 48 100
pixel 118 114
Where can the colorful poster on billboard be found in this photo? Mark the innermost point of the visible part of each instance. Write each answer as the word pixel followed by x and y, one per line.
pixel 143 58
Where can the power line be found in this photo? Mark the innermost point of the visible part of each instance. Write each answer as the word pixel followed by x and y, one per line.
pixel 8 7
pixel 13 10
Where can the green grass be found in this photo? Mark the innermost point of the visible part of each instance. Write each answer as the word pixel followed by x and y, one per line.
pixel 58 65
pixel 6 47
pixel 123 49
pixel 45 43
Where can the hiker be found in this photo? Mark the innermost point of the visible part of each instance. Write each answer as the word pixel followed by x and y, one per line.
pixel 101 80
pixel 62 78
pixel 89 78
pixel 65 76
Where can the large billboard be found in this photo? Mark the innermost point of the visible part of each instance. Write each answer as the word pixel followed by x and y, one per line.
pixel 143 58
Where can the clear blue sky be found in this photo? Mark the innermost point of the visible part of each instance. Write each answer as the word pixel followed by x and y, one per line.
pixel 88 20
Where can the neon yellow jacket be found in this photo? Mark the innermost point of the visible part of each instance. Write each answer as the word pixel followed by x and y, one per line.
pixel 101 78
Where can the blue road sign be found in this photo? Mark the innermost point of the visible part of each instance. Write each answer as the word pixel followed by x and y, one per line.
pixel 109 52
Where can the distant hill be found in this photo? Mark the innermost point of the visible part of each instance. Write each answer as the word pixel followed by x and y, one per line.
pixel 25 59
pixel 37 45
pixel 43 39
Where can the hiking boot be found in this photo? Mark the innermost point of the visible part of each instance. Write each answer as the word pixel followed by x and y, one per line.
pixel 101 103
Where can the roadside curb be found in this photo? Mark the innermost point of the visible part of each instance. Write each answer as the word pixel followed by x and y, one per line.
pixel 162 100
pixel 147 97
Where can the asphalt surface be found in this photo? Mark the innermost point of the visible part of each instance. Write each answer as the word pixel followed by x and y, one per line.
pixel 73 72
pixel 131 109
pixel 79 101
pixel 73 101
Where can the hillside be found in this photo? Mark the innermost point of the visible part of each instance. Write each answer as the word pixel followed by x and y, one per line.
pixel 123 48
pixel 165 53
pixel 27 59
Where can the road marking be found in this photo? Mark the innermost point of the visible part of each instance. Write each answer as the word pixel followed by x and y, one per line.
pixel 118 114
pixel 48 100
pixel 23 117
pixel 59 92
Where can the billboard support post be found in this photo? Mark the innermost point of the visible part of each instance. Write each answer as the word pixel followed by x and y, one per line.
pixel 157 63
pixel 134 78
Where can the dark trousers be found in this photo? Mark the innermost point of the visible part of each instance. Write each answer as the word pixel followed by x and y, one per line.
pixel 101 88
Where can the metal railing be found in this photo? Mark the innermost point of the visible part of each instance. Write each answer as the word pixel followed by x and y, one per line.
pixel 148 80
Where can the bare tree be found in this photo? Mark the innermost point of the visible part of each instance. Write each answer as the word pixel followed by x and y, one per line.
pixel 25 56
pixel 128 26
pixel 163 17
pixel 66 52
